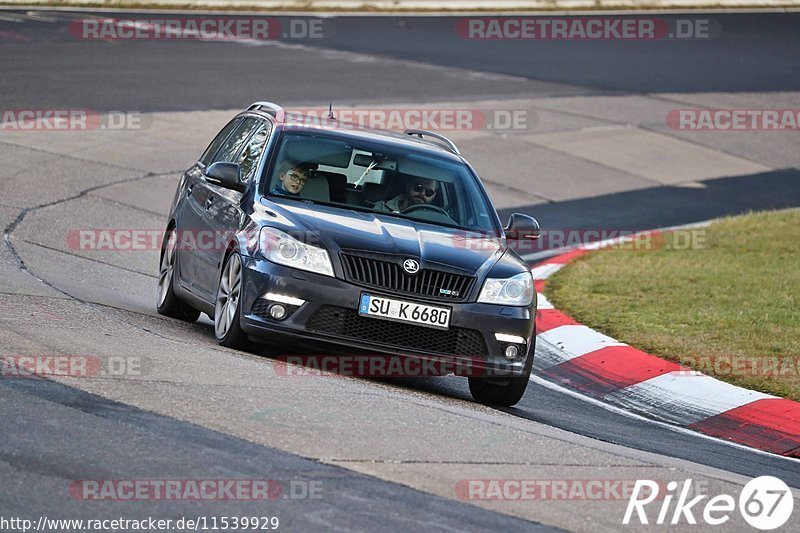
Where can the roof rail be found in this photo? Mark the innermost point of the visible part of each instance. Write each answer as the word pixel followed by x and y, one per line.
pixel 273 109
pixel 447 143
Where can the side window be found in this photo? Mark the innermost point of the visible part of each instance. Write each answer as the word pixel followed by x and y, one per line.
pixel 251 154
pixel 208 155
pixel 236 140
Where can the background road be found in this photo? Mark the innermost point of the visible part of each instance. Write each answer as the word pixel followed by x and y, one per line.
pixel 595 153
pixel 387 57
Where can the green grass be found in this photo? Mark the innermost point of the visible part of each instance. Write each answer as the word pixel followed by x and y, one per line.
pixel 732 297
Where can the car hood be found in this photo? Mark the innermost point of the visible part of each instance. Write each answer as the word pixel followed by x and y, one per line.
pixel 350 230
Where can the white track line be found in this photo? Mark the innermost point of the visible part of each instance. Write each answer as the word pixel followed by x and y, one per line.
pixel 677 429
pixel 575 341
pixel 542 302
pixel 684 398
pixel 546 270
pixel 41 17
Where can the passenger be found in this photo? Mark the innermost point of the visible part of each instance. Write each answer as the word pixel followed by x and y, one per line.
pixel 419 191
pixel 292 176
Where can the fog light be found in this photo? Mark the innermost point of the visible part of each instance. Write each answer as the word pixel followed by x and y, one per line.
pixel 512 351
pixel 277 311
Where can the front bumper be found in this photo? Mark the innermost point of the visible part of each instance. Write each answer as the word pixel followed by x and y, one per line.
pixel 329 315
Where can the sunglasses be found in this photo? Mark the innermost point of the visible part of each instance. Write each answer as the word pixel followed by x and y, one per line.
pixel 296 177
pixel 418 187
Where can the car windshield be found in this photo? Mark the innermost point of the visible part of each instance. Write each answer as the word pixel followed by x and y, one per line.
pixel 365 176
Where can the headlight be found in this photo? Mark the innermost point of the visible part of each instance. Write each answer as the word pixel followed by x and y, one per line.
pixel 282 248
pixel 516 290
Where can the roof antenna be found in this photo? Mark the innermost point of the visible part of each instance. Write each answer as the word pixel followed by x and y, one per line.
pixel 330 111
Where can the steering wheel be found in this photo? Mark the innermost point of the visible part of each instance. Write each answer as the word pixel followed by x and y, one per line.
pixel 418 207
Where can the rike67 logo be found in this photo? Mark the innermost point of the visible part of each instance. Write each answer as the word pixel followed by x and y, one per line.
pixel 765 503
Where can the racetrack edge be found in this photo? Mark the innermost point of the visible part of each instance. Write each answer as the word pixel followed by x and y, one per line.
pixel 582 359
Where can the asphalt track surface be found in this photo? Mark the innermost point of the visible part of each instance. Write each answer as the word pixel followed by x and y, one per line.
pixel 50 68
pixel 50 429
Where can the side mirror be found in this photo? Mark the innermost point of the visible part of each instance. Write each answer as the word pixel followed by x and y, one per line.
pixel 522 227
pixel 226 175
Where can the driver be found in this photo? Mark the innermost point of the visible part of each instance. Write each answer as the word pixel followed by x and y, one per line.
pixel 418 191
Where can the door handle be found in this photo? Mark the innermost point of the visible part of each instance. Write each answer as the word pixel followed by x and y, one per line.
pixel 189 189
pixel 209 201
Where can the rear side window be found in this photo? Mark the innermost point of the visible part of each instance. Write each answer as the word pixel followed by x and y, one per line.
pixel 234 143
pixel 253 150
pixel 208 155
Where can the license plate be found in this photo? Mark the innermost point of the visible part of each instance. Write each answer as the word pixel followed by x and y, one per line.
pixel 402 311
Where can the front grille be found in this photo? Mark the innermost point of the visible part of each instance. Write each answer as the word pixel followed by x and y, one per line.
pixel 345 322
pixel 390 276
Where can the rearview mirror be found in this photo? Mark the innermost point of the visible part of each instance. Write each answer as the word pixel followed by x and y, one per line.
pixel 226 175
pixel 379 160
pixel 522 227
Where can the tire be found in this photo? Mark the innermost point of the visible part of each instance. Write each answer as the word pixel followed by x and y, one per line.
pixel 503 392
pixel 167 302
pixel 227 307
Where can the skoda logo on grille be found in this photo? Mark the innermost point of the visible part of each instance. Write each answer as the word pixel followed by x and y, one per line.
pixel 410 266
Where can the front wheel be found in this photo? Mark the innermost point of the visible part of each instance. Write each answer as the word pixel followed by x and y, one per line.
pixel 498 391
pixel 168 303
pixel 227 311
